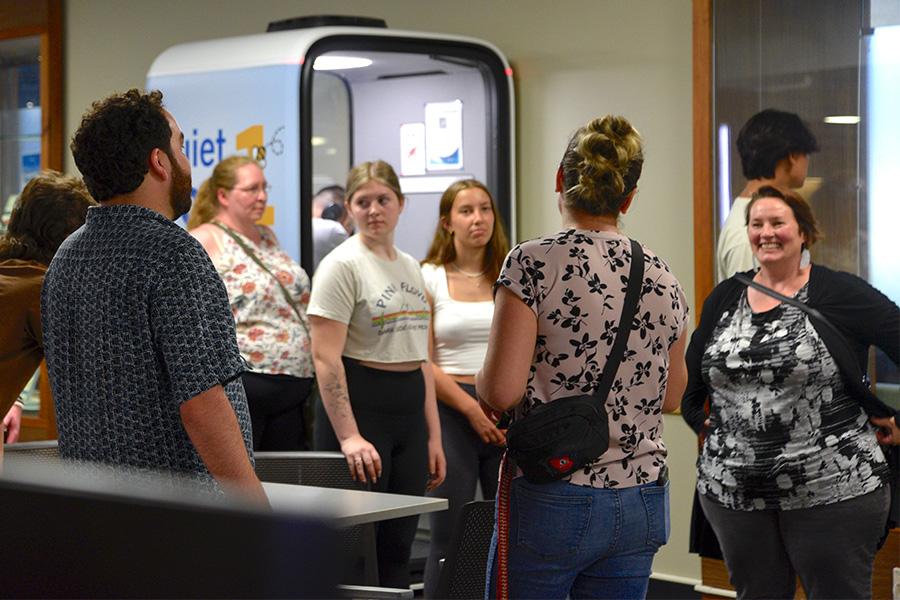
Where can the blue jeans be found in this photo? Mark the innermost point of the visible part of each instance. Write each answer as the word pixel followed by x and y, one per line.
pixel 579 542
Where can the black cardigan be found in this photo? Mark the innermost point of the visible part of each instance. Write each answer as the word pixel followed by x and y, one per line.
pixel 863 314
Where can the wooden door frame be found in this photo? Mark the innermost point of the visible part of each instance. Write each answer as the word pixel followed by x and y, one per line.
pixel 704 239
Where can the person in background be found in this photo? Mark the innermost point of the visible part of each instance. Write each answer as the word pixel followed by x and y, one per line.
pixel 138 334
pixel 774 147
pixel 268 292
pixel 327 227
pixel 370 319
pixel 790 475
pixel 460 268
pixel 50 208
pixel 594 533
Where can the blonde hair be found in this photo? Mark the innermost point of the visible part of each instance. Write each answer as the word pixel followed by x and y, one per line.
pixel 602 165
pixel 373 170
pixel 442 250
pixel 224 177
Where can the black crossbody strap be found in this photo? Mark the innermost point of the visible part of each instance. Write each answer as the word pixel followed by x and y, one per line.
pixel 632 296
pixel 249 252
pixel 852 371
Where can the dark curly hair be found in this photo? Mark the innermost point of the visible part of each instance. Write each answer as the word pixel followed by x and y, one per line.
pixel 50 208
pixel 770 136
pixel 115 138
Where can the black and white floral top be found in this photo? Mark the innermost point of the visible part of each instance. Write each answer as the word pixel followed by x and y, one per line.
pixel 575 283
pixel 784 433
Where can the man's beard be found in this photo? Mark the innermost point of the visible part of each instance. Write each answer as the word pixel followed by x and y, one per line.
pixel 180 192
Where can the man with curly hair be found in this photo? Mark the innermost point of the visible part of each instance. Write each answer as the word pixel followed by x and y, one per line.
pixel 138 333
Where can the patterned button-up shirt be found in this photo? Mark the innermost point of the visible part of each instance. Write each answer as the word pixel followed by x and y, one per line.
pixel 136 322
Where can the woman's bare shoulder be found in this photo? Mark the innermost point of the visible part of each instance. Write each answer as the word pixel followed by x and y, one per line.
pixel 208 235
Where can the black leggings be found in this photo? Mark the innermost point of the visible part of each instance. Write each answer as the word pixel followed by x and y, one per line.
pixel 389 409
pixel 469 461
pixel 276 410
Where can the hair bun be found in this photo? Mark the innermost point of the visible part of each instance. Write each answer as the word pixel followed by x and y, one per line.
pixel 602 164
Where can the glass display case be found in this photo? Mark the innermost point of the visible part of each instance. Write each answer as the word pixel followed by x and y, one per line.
pixel 20 118
pixel 20 141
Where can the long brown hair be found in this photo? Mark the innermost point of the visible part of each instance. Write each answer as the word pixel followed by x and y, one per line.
pixel 224 177
pixel 50 208
pixel 442 250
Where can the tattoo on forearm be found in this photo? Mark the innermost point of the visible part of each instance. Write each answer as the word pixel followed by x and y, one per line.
pixel 336 397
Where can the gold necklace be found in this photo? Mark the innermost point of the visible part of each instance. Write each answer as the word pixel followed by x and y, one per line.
pixel 467 274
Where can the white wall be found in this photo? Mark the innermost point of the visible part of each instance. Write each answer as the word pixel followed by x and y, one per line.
pixel 573 60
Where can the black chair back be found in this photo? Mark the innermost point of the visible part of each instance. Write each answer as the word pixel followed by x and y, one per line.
pixel 329 470
pixel 464 571
pixel 45 452
pixel 321 469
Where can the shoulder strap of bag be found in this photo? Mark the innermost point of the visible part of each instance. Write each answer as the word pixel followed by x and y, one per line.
pixel 632 296
pixel 249 252
pixel 851 370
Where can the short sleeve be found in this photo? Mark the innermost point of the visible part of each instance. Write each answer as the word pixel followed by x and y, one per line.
pixel 680 310
pixel 192 325
pixel 334 291
pixel 521 274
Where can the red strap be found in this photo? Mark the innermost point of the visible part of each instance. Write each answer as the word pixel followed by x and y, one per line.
pixel 506 476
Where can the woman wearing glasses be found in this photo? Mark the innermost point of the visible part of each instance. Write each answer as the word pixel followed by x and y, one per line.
pixel 268 292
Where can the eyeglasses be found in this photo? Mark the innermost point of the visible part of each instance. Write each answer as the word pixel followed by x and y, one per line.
pixel 256 189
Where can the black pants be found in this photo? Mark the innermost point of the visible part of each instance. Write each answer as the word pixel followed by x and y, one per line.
pixel 830 547
pixel 276 410
pixel 469 461
pixel 389 409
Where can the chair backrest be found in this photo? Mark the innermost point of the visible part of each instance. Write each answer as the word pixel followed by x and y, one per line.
pixel 46 451
pixel 322 469
pixel 327 469
pixel 464 570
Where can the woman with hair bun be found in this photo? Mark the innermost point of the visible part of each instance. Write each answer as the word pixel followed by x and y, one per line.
pixel 559 299
pixel 268 292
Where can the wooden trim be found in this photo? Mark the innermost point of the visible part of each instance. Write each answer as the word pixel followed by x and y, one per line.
pixel 17 14
pixel 19 32
pixel 52 89
pixel 704 246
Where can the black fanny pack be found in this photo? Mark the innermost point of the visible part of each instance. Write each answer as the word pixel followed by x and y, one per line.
pixel 560 437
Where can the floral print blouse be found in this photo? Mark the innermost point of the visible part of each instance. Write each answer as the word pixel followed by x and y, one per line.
pixel 270 336
pixel 575 282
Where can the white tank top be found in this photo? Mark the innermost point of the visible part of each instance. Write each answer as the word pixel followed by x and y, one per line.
pixel 461 329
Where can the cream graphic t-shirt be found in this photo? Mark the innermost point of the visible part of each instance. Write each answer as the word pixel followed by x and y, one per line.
pixel 382 302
